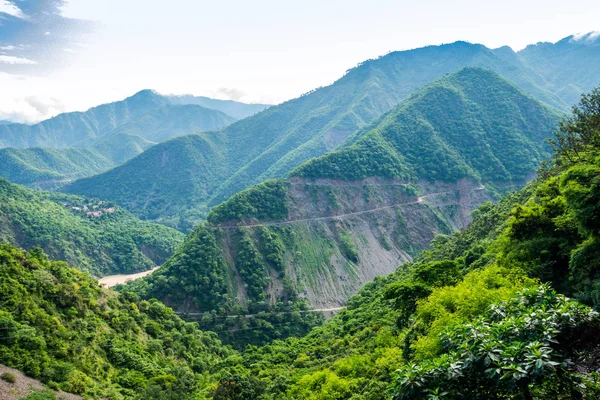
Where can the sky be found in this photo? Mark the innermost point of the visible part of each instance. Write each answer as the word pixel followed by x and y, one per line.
pixel 58 56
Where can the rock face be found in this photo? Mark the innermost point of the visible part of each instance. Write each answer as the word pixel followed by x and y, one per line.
pixel 340 235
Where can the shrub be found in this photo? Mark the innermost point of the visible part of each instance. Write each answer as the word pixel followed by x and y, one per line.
pixel 8 377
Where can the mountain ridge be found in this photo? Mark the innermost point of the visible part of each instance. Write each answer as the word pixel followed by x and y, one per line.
pixel 279 139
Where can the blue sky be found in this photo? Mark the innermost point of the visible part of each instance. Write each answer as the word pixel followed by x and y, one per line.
pixel 69 55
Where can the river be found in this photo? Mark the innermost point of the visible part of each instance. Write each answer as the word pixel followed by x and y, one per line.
pixel 112 280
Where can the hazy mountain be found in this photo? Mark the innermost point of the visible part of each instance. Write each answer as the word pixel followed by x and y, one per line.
pixel 568 67
pixel 277 140
pixel 232 108
pixel 135 115
pixel 77 145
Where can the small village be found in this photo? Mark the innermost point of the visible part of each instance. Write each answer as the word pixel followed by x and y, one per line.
pixel 92 210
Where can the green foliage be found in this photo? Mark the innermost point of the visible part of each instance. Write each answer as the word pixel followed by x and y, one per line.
pixel 372 156
pixel 60 327
pixel 578 136
pixel 514 346
pixel 43 395
pixel 195 275
pixel 8 377
pixel 96 236
pixel 264 202
pixel 348 247
pixel 250 265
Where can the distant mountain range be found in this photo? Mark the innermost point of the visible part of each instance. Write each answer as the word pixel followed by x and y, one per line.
pixel 146 114
pixel 189 175
pixel 110 134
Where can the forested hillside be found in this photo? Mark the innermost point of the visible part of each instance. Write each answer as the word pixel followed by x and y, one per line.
pixel 48 168
pixel 470 124
pixel 94 235
pixel 502 309
pixel 361 211
pixel 60 327
pixel 278 140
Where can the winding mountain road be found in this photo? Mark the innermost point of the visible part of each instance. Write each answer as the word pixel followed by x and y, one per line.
pixel 294 221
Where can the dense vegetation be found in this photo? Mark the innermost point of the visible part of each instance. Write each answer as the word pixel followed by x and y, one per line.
pixel 470 318
pixel 96 236
pixel 264 202
pixel 60 327
pixel 247 310
pixel 471 124
pixel 503 309
pixel 48 168
pixel 276 141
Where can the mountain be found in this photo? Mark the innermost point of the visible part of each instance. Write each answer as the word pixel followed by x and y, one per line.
pixel 505 308
pixel 5 122
pixel 359 212
pixel 84 129
pixel 232 108
pixel 48 168
pixel 94 235
pixel 470 124
pixel 566 66
pixel 279 139
pixel 78 145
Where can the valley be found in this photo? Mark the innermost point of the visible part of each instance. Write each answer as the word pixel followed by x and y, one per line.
pixel 427 226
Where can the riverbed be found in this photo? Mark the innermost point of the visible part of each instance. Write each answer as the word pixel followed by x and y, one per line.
pixel 112 280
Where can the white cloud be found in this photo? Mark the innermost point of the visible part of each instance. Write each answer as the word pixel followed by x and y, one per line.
pixel 11 9
pixel 46 33
pixel 586 37
pixel 16 60
pixel 68 50
pixel 229 93
pixel 7 48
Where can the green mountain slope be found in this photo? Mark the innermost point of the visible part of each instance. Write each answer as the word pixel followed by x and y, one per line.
pixel 49 167
pixel 482 314
pixel 279 139
pixel 60 327
pixel 471 123
pixel 96 236
pixel 479 315
pixel 137 124
pixel 141 115
pixel 361 211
